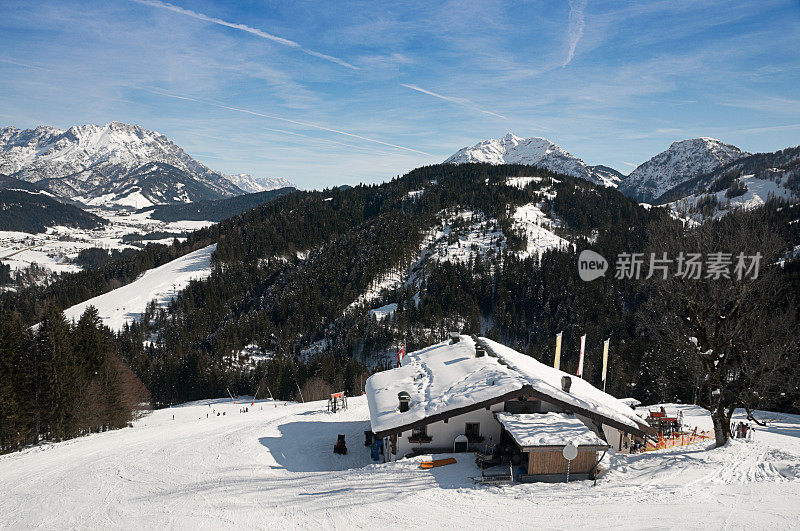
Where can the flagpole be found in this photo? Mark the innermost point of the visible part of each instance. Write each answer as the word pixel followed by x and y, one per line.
pixel 605 362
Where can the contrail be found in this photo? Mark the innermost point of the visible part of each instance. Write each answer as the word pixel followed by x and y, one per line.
pixel 460 101
pixel 243 27
pixel 576 25
pixel 367 149
pixel 280 118
pixel 17 63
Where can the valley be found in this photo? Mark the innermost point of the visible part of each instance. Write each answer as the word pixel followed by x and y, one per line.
pixel 399 265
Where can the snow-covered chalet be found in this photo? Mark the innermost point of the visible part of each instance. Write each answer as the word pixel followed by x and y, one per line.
pixel 471 392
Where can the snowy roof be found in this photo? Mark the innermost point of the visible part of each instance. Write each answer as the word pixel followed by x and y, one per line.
pixel 446 377
pixel 548 429
pixel 439 378
pixel 547 381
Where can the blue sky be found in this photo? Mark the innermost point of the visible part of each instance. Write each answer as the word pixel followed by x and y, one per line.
pixel 325 93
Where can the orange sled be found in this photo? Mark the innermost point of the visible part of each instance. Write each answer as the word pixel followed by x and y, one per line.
pixel 437 462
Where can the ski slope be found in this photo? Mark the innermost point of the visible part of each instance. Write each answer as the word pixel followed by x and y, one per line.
pixel 273 468
pixel 162 283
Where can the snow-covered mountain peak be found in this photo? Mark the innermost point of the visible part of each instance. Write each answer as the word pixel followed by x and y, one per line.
pixel 534 151
pixel 685 159
pixel 251 184
pixel 104 161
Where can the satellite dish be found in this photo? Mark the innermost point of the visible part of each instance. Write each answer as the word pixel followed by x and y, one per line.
pixel 570 451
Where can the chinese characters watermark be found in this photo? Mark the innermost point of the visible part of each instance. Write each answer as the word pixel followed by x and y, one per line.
pixel 690 266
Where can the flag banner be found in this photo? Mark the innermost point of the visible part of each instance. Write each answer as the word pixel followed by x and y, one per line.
pixel 580 357
pixel 401 353
pixel 605 362
pixel 557 361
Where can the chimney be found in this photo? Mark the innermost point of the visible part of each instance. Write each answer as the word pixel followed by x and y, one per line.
pixel 404 398
pixel 566 383
pixel 479 352
pixel 455 337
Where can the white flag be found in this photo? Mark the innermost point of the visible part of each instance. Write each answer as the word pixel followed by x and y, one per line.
pixel 557 361
pixel 580 357
pixel 605 362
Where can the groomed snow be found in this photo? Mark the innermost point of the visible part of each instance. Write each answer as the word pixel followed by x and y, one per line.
pixel 128 302
pixel 273 468
pixel 548 429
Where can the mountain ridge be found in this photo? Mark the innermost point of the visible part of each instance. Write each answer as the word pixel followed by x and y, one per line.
pixel 682 161
pixel 102 164
pixel 533 151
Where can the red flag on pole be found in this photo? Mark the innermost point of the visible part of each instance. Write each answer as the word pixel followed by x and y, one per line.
pixel 401 353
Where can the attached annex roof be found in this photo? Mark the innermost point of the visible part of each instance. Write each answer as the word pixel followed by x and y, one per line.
pixel 531 430
pixel 445 380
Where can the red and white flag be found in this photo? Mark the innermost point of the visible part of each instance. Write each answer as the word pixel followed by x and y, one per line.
pixel 580 358
pixel 401 353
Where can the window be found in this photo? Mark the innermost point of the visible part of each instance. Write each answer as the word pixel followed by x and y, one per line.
pixel 420 435
pixel 472 430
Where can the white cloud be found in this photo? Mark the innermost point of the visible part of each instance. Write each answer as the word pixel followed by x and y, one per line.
pixel 576 25
pixel 243 27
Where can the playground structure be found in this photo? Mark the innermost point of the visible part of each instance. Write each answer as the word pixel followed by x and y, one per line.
pixel 677 439
pixel 336 402
pixel 671 432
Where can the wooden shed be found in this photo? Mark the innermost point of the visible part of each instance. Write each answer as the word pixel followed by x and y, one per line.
pixel 543 436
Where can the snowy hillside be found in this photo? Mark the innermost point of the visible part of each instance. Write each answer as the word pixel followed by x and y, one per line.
pixel 128 302
pixel 534 151
pixel 273 468
pixel 683 160
pixel 107 163
pixel 753 192
pixel 251 185
pixel 462 235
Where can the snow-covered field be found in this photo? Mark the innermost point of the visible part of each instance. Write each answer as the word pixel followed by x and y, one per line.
pixel 59 246
pixel 162 283
pixel 273 468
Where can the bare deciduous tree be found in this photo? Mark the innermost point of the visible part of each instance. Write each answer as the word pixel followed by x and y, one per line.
pixel 740 332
